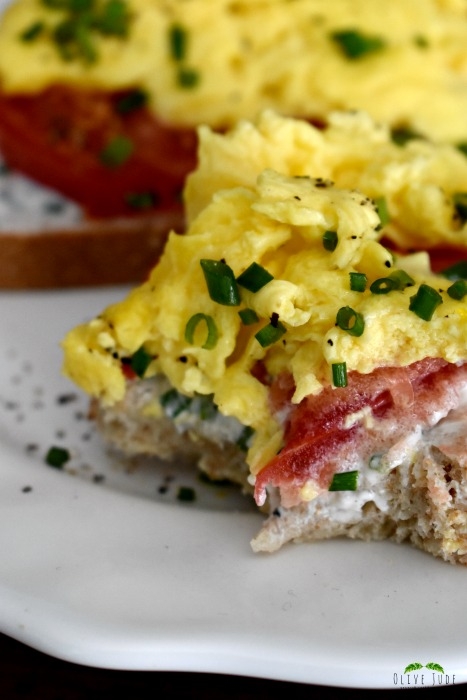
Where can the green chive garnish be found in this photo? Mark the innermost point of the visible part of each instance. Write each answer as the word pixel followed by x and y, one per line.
pixel 178 42
pixel 80 5
pixel 57 457
pixel 211 336
pixel 403 134
pixel 32 32
pixel 350 321
pixel 248 316
pixel 421 41
pixel 174 403
pixel 382 210
pixel 458 290
pixel 339 374
pixel 270 334
pixel 383 285
pixel 425 302
pixel 221 282
pixel 140 361
pixel 136 99
pixel 357 281
pixel 206 407
pixel 186 494
pixel 85 42
pixel 456 271
pixel 459 200
pixel 330 240
pixel 74 34
pixel 114 19
pixel 254 277
pixel 402 279
pixel 141 200
pixel 244 440
pixel 345 481
pixel 188 78
pixel 57 4
pixel 355 44
pixel 117 152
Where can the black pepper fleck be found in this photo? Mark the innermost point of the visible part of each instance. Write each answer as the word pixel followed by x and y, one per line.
pixel 63 399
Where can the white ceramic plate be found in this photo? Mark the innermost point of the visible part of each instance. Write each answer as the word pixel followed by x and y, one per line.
pixel 107 568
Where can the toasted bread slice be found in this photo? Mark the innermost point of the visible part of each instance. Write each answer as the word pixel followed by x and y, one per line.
pixel 107 251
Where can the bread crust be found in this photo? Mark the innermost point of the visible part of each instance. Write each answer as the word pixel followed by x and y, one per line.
pixel 95 253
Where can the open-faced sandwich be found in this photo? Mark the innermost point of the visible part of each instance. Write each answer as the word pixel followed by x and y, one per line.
pixel 282 345
pixel 100 99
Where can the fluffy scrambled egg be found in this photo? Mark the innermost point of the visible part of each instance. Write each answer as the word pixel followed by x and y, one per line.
pixel 309 240
pixel 216 62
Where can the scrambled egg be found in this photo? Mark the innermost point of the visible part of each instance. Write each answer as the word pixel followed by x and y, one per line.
pixel 309 239
pixel 405 62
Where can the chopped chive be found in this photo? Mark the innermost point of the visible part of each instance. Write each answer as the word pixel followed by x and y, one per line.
pixel 211 336
pixel 174 403
pixel 339 374
pixel 80 5
pixel 178 39
pixel 244 440
pixel 462 147
pixel 270 334
pixel 140 361
pixel 57 457
pixel 350 321
pixel 330 240
pixel 254 277
pixel 345 481
pixel 64 36
pixel 85 43
pixel 206 407
pixel 188 77
pixel 56 4
pixel 459 200
pixel 421 41
pixel 402 279
pixel 142 200
pixel 221 282
pixel 32 32
pixel 186 494
pixel 458 290
pixel 114 19
pixel 248 316
pixel 358 281
pixel 74 34
pixel 117 152
pixel 425 302
pixel 456 271
pixel 136 99
pixel 401 135
pixel 382 210
pixel 383 285
pixel 355 44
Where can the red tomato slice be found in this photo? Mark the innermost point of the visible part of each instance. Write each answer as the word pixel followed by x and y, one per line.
pixel 58 136
pixel 324 432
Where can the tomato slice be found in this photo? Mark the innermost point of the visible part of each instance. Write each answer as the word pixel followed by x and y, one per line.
pixel 58 136
pixel 327 431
